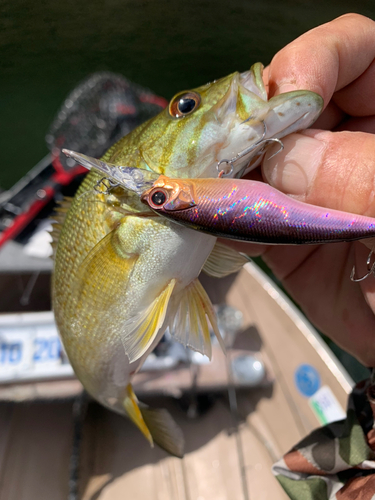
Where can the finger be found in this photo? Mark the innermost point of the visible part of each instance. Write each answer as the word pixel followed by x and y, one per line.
pixel 356 99
pixel 265 77
pixel 331 117
pixel 345 317
pixel 329 169
pixel 363 124
pixel 285 259
pixel 325 59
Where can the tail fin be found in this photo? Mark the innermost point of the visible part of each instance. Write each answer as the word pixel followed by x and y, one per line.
pixel 156 425
pixel 164 430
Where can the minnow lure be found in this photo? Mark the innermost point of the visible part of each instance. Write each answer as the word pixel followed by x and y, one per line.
pixel 236 209
pixel 252 211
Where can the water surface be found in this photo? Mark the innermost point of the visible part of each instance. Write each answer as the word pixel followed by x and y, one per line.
pixel 47 47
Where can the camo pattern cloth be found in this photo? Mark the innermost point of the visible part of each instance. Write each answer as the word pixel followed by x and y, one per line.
pixel 337 461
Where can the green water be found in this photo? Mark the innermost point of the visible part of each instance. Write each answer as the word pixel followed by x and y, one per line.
pixel 46 47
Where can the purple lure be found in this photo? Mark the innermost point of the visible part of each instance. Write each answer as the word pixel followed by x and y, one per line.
pixel 247 210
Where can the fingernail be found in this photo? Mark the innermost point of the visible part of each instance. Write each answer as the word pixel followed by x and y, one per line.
pixel 293 170
pixel 285 87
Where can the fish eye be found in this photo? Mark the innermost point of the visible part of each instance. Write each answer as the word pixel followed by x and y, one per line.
pixel 184 104
pixel 158 198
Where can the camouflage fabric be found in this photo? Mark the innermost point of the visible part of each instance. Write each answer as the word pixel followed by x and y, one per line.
pixel 337 461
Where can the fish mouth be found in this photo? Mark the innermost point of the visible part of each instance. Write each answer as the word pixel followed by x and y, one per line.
pixel 291 112
pixel 283 114
pixel 258 121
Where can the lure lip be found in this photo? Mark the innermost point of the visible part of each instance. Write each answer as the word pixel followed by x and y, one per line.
pixel 134 179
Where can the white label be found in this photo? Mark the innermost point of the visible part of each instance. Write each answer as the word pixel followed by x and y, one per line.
pixel 46 348
pixel 16 350
pixel 31 351
pixel 325 406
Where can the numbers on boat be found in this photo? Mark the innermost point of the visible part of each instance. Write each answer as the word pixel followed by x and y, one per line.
pixel 30 348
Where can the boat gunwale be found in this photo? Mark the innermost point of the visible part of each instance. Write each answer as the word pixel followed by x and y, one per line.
pixel 304 326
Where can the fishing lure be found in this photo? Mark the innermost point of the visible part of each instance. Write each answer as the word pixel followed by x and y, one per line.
pixel 236 209
pixel 253 211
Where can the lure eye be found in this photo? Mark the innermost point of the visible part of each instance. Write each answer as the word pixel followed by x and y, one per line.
pixel 184 104
pixel 158 198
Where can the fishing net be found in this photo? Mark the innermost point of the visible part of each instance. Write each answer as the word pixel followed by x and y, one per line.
pixel 98 112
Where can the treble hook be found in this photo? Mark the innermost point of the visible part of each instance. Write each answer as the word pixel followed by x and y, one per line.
pixel 279 150
pixel 370 269
pixel 108 185
pixel 245 152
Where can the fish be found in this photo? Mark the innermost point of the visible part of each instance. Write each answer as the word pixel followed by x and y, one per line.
pixel 253 211
pixel 123 275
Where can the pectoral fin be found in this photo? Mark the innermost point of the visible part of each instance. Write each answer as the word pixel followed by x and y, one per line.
pixel 139 332
pixel 193 313
pixel 156 425
pixel 101 292
pixel 95 304
pixel 100 280
pixel 224 260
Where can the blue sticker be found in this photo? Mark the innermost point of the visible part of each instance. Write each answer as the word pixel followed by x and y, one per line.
pixel 307 380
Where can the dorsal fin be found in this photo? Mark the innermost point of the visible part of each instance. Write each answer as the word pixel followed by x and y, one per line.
pixel 59 218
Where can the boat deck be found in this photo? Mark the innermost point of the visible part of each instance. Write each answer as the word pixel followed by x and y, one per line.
pixel 231 442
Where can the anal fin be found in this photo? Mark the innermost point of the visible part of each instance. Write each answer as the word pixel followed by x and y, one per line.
pixel 193 314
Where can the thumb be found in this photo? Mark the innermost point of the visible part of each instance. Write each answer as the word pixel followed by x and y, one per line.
pixel 330 169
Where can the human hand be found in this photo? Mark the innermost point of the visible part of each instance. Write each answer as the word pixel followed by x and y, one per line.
pixel 333 167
